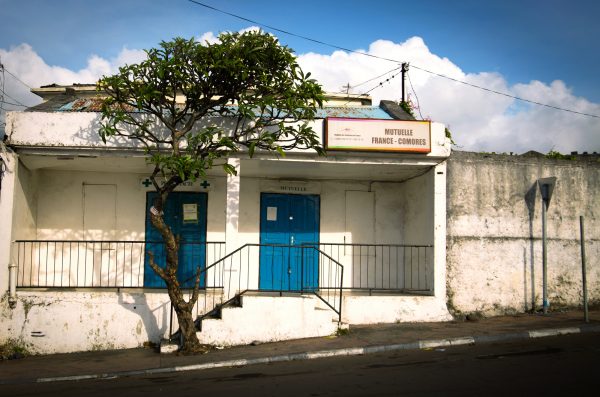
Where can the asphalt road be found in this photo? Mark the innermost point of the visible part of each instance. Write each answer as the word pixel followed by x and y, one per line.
pixel 557 366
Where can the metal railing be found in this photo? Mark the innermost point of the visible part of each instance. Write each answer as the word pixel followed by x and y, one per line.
pixel 384 267
pixel 273 268
pixel 94 264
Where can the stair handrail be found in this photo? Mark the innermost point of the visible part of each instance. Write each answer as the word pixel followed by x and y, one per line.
pixel 338 288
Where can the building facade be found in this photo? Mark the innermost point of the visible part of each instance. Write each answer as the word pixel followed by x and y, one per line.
pixel 357 236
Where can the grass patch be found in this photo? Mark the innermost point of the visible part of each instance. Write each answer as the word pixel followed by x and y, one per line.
pixel 342 331
pixel 12 349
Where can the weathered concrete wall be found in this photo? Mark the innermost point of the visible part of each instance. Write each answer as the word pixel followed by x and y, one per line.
pixel 79 130
pixel 494 231
pixel 7 199
pixel 62 321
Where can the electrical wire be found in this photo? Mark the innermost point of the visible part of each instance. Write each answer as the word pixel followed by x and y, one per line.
pixel 8 96
pixel 290 33
pixel 366 81
pixel 14 104
pixel 390 60
pixel 416 97
pixel 18 79
pixel 376 77
pixel 505 94
pixel 380 84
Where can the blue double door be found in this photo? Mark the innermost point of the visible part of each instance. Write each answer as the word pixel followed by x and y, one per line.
pixel 289 236
pixel 185 213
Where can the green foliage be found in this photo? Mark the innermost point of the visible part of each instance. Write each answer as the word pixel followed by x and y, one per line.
pixel 407 107
pixel 13 349
pixel 553 154
pixel 449 136
pixel 175 102
pixel 342 331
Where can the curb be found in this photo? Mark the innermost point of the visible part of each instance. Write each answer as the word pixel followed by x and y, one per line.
pixel 353 351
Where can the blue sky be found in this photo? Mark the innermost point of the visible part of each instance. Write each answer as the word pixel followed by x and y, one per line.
pixel 510 46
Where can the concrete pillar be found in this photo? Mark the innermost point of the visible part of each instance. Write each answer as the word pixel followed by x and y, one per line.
pixel 439 231
pixel 232 217
pixel 7 195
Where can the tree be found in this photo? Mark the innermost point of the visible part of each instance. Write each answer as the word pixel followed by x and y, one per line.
pixel 170 103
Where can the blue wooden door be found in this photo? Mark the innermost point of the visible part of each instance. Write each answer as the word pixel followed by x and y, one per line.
pixel 185 213
pixel 288 224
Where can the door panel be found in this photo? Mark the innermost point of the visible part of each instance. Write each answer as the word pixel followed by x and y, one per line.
pixel 287 223
pixel 185 213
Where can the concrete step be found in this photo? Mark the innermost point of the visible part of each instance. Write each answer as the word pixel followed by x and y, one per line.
pixel 268 319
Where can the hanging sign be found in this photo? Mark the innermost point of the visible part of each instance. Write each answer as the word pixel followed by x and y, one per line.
pixel 377 135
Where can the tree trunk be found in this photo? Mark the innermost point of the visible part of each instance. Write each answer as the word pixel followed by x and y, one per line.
pixel 183 310
pixel 168 273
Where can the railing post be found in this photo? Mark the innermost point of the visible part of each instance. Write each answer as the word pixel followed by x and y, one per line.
pixel 301 268
pixel 341 291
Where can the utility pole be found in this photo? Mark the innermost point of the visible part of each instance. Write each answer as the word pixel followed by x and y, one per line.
pixel 546 188
pixel 404 70
pixel 586 316
pixel 347 88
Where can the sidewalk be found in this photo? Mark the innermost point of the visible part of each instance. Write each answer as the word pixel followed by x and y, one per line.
pixel 361 339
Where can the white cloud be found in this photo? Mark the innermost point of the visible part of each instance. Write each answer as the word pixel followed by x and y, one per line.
pixel 32 70
pixel 479 120
pixel 209 37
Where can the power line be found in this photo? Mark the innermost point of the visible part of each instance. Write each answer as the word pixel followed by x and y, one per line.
pixel 376 77
pixel 18 79
pixel 505 94
pixel 16 100
pixel 366 81
pixel 3 92
pixel 14 104
pixel 380 84
pixel 416 97
pixel 389 60
pixel 289 33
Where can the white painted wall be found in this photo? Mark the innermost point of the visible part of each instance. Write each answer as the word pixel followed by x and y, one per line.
pixel 268 319
pixel 61 321
pixel 361 309
pixel 494 232
pixel 79 129
pixel 7 199
pixel 25 211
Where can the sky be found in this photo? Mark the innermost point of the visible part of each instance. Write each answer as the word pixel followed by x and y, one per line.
pixel 546 51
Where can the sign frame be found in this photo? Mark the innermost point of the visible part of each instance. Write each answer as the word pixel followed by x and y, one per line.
pixel 401 129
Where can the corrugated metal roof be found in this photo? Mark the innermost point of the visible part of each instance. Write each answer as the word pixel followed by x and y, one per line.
pixel 82 105
pixel 70 103
pixel 355 112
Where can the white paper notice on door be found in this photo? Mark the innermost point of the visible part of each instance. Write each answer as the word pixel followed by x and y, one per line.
pixel 271 213
pixel 190 213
